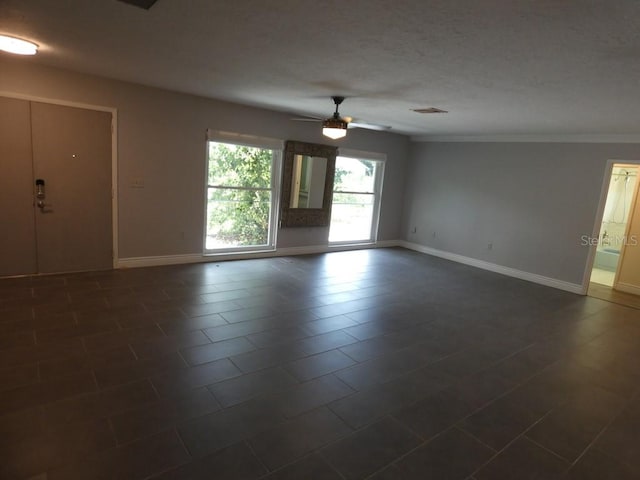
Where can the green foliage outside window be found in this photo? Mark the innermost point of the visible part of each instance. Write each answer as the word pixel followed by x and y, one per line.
pixel 239 197
pixel 353 175
pixel 353 200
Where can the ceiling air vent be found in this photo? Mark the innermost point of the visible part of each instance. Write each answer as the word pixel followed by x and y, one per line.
pixel 429 110
pixel 146 4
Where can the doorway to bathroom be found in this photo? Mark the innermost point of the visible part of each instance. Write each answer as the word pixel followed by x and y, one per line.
pixel 614 229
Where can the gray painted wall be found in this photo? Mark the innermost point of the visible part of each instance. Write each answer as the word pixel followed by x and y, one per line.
pixel 161 140
pixel 532 201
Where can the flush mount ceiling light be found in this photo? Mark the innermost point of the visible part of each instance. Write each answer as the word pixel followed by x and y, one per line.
pixel 336 126
pixel 17 45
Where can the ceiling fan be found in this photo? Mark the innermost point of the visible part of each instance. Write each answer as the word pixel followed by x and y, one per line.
pixel 336 126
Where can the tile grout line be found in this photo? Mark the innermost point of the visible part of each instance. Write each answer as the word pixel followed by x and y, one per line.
pixel 246 442
pixel 621 409
pixel 327 461
pixel 548 450
pixel 172 467
pixel 414 449
pixel 480 441
pixel 518 437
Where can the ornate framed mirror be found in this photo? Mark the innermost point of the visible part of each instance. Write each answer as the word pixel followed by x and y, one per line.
pixel 307 184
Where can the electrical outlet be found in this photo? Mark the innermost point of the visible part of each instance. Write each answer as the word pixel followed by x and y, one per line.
pixel 434 234
pixel 137 183
pixel 414 229
pixel 490 246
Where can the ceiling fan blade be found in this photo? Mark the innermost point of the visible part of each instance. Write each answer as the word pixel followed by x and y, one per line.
pixel 337 118
pixel 369 126
pixel 307 119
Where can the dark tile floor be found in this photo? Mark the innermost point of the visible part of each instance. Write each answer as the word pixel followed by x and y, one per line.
pixel 381 364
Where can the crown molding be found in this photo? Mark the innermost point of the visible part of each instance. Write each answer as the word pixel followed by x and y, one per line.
pixel 596 138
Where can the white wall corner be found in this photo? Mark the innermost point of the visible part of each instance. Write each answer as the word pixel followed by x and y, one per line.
pixel 492 267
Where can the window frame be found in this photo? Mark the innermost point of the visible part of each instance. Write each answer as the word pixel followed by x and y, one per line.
pixel 276 146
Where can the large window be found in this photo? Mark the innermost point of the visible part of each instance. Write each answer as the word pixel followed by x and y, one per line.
pixel 356 200
pixel 241 197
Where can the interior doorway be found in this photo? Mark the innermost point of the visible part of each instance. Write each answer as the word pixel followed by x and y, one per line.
pixel 613 236
pixel 55 188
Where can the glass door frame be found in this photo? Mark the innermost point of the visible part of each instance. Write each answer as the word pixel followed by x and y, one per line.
pixel 380 160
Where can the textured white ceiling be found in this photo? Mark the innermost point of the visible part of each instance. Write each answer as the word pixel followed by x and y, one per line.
pixel 500 67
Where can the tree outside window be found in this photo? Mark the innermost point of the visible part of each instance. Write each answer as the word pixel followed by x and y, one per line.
pixel 239 197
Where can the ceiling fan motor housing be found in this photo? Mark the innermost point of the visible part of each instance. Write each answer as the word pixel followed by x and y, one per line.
pixel 334 122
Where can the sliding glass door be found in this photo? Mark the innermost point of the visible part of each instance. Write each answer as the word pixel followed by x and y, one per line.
pixel 356 200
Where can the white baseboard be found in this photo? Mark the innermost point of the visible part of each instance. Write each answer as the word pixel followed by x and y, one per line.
pixel 135 262
pixel 492 267
pixel 388 243
pixel 156 261
pixel 628 288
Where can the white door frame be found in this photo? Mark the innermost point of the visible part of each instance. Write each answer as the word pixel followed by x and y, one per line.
pixel 114 154
pixel 604 190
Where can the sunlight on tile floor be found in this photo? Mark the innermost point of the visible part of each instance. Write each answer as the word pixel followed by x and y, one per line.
pixel 603 277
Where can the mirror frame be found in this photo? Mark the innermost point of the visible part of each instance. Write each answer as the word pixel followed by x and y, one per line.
pixel 306 217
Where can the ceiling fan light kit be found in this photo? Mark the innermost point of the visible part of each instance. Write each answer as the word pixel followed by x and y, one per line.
pixel 336 126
